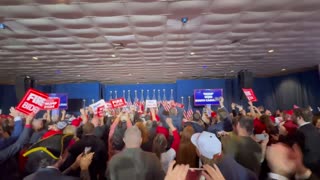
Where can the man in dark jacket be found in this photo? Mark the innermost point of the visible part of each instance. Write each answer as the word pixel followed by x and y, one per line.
pixel 133 163
pixel 96 145
pixel 310 139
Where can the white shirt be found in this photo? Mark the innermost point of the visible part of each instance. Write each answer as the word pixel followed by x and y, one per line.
pixel 166 158
pixel 277 176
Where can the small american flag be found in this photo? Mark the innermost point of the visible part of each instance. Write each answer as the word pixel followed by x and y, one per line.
pixel 166 106
pixel 188 114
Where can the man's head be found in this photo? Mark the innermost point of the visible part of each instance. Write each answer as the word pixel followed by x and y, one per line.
pixel 301 115
pixel 37 124
pixel 88 128
pixel 173 111
pixel 132 137
pixel 208 146
pixel 222 114
pixel 245 126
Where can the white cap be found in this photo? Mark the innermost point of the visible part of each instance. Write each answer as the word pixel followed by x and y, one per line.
pixel 207 143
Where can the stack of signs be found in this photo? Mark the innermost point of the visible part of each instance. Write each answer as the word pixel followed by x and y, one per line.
pixel 151 104
pixel 118 103
pixel 250 95
pixel 32 102
pixel 98 108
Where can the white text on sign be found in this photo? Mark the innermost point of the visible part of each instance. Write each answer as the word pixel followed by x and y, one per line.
pixel 36 99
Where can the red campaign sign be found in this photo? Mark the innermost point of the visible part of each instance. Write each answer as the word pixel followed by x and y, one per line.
pixel 100 111
pixel 52 103
pixel 250 95
pixel 118 103
pixel 33 101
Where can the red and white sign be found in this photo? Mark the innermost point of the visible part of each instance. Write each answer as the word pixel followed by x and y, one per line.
pixel 32 102
pixel 98 107
pixel 250 95
pixel 52 103
pixel 118 103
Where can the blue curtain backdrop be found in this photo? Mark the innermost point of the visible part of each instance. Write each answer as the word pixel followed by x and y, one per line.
pixel 274 93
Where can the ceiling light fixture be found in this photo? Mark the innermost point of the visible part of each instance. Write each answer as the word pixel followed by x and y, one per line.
pixel 78 75
pixel 271 51
pixel 232 71
pixel 283 69
pixel 113 55
pixel 192 53
pixel 35 58
pixel 180 72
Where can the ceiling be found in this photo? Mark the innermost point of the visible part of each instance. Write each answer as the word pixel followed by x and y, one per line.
pixel 58 41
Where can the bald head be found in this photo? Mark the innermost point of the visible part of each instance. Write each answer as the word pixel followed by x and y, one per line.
pixel 132 137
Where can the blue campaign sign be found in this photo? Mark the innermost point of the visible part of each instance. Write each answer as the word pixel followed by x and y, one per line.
pixel 63 99
pixel 203 97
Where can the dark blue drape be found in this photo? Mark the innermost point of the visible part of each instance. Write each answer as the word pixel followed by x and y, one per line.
pixel 274 93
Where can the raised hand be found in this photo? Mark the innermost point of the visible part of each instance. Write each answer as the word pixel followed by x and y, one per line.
pixel 85 161
pixel 14 112
pixel 179 172
pixel 212 173
pixel 233 106
pixel 250 103
pixel 29 118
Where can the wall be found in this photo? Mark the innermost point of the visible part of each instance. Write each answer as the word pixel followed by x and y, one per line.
pixel 281 92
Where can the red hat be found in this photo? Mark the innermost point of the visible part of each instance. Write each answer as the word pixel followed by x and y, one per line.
pixel 163 130
pixel 289 112
pixel 213 114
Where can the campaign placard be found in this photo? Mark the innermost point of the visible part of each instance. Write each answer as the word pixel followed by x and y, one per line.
pixel 151 103
pixel 118 103
pixel 98 107
pixel 250 94
pixel 32 102
pixel 52 103
pixel 63 99
pixel 203 97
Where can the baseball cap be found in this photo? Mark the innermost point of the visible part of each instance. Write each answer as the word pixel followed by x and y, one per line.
pixel 207 143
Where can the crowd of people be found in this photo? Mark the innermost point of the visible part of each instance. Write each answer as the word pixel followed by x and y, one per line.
pixel 159 143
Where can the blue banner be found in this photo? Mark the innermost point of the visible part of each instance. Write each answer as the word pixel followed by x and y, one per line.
pixel 63 99
pixel 203 97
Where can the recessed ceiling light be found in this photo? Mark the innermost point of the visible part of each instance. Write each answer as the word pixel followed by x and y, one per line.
pixel 35 58
pixel 192 53
pixel 283 69
pixel 78 75
pixel 113 55
pixel 232 71
pixel 271 51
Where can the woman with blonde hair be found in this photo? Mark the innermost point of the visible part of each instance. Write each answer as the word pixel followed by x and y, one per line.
pixel 187 151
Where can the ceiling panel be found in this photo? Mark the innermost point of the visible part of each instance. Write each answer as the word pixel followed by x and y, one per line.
pixel 139 41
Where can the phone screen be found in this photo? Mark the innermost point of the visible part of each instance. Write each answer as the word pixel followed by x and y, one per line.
pixel 87 150
pixel 194 174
